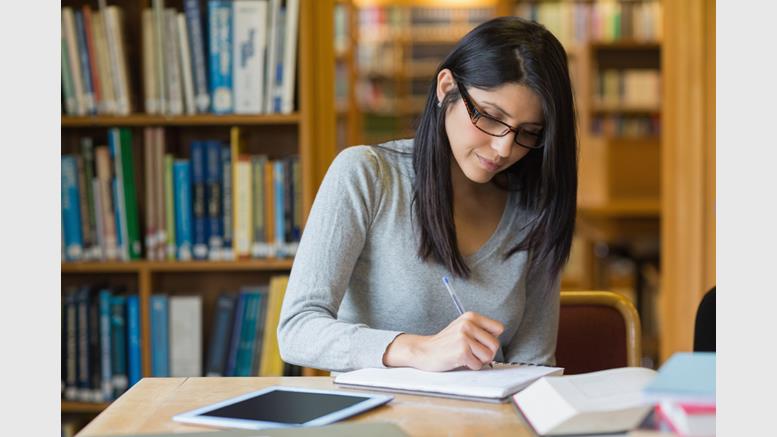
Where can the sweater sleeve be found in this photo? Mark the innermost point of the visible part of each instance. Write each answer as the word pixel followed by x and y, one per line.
pixel 535 340
pixel 309 333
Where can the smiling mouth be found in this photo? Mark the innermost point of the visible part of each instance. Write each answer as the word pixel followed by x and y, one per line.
pixel 487 163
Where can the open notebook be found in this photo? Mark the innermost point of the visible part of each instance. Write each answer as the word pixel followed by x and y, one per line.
pixel 489 385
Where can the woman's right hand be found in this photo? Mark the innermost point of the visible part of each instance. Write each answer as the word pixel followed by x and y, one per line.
pixel 472 341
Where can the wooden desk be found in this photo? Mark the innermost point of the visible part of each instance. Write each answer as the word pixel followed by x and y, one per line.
pixel 149 405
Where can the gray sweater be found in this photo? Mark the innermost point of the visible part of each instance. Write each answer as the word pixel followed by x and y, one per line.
pixel 357 281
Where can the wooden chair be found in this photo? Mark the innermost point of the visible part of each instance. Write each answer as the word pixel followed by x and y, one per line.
pixel 597 330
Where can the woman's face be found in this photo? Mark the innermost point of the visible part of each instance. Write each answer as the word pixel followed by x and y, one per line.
pixel 480 155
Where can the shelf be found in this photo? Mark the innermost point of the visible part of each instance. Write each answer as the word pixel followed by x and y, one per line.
pixel 82 407
pixel 625 109
pixel 176 266
pixel 624 208
pixel 626 45
pixel 179 120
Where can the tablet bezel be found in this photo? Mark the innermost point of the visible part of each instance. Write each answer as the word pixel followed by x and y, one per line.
pixel 195 416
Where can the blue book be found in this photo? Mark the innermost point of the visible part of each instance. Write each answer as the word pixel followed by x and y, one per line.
pixel 234 341
pixel 220 54
pixel 199 215
pixel 114 146
pixel 160 336
pixel 226 204
pixel 117 218
pixel 134 371
pixel 71 209
pixel 71 344
pixel 213 198
pixel 119 344
pixel 261 319
pixel 279 173
pixel 197 50
pixel 220 334
pixel 105 298
pixel 84 379
pixel 182 194
pixel 86 72
pixel 247 335
pixel 685 377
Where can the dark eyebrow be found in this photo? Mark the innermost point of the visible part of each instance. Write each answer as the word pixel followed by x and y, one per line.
pixel 495 106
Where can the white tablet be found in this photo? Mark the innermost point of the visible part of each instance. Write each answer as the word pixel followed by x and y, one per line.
pixel 279 407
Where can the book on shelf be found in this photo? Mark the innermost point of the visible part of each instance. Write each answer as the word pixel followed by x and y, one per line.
pixel 220 55
pixel 248 50
pixel 160 334
pixel 600 402
pixel 197 151
pixel 185 335
pixel 182 192
pixel 196 37
pixel 134 370
pixel 221 332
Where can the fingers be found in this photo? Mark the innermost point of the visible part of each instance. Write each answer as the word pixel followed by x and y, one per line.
pixel 495 327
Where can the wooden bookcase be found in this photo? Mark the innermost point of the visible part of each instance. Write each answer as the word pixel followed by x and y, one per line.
pixel 308 132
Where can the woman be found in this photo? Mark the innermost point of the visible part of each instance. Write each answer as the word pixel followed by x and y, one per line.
pixel 485 194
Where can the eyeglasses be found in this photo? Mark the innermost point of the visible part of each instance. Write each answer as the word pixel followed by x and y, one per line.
pixel 497 128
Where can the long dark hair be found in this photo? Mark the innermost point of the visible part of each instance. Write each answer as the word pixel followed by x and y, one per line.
pixel 499 51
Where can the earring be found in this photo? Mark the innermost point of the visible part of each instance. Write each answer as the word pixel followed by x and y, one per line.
pixel 439 104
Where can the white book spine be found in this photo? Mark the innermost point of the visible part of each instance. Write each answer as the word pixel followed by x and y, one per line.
pixel 248 49
pixel 186 65
pixel 185 336
pixel 159 54
pixel 290 56
pixel 272 55
pixel 118 64
pixel 150 88
pixel 74 58
pixel 172 68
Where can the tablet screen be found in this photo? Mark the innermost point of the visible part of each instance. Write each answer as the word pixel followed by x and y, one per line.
pixel 290 407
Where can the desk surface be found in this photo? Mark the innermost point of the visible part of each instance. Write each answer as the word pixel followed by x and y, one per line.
pixel 149 405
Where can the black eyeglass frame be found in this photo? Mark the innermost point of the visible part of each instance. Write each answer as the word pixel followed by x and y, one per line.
pixel 475 114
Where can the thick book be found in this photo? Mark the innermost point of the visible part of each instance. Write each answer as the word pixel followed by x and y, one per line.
pixel 226 203
pixel 243 210
pixel 183 209
pixel 214 202
pixel 248 334
pixel 220 334
pixel 271 362
pixel 234 339
pixel 119 344
pixel 150 80
pixel 134 372
pixel 74 58
pixel 173 67
pixel 495 384
pixel 197 48
pixel 289 69
pixel 71 209
pixel 248 49
pixel 106 297
pixel 589 403
pixel 220 55
pixel 687 419
pixel 107 103
pixel 160 335
pixel 197 153
pixel 185 336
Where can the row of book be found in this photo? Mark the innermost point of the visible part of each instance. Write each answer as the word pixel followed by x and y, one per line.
pixel 102 339
pixel 626 126
pixel 95 75
pixel 628 87
pixel 220 203
pixel 247 66
pixel 101 343
pixel 579 22
pixel 233 56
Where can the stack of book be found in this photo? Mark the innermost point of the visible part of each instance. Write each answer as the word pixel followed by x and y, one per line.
pixel 220 203
pixel 684 393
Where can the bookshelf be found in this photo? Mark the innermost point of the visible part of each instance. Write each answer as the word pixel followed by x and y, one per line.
pixel 307 131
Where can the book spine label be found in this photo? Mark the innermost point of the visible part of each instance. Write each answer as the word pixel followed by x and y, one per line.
pixel 220 23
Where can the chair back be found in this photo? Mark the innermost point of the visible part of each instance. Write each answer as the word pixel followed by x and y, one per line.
pixel 598 330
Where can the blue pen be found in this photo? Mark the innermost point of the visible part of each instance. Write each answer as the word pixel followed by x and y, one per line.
pixel 457 303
